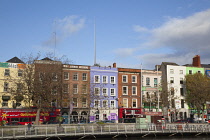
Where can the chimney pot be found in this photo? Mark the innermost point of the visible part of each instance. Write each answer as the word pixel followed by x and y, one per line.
pixel 196 61
pixel 114 65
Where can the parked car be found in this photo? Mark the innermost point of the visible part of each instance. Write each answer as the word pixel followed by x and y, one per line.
pixel 182 121
pixel 13 123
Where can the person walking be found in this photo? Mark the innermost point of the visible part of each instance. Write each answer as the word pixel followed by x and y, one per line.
pixel 29 127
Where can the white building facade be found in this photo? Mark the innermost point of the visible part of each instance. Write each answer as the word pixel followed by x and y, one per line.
pixel 151 83
pixel 178 108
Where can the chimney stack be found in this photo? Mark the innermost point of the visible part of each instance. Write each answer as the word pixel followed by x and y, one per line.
pixel 114 65
pixel 196 61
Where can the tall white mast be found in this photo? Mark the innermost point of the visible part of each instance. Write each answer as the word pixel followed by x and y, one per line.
pixel 94 42
pixel 55 39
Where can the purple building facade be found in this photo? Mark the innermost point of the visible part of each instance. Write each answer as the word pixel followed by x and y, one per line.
pixel 104 93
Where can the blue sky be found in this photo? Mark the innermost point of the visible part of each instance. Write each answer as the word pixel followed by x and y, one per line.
pixel 128 32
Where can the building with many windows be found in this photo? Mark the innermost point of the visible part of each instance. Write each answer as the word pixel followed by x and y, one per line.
pixel 129 93
pixel 10 75
pixel 151 84
pixel 76 90
pixel 103 93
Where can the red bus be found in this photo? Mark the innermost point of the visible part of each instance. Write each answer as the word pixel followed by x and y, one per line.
pixel 25 116
pixel 128 115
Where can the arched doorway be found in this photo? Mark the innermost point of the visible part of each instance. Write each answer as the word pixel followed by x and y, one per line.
pixel 65 117
pixel 83 117
pixel 74 117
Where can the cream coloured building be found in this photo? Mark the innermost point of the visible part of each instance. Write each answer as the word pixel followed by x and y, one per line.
pixel 10 73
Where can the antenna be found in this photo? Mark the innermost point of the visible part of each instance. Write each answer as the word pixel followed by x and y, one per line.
pixel 54 39
pixel 94 42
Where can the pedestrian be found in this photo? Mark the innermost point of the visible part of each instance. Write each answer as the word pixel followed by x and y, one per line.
pixel 29 126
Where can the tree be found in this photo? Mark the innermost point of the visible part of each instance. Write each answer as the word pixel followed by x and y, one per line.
pixel 198 89
pixel 41 84
pixel 167 98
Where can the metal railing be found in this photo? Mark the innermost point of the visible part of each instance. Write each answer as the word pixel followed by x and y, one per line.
pixel 104 129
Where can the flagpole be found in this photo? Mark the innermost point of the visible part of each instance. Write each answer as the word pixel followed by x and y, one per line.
pixel 141 88
pixel 158 91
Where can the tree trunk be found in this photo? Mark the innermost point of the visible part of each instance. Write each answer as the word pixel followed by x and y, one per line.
pixel 37 116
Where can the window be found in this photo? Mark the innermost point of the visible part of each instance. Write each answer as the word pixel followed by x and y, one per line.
pixel 96 103
pixel 66 88
pixel 112 79
pixel 134 103
pixel 190 71
pixel 105 103
pixel 155 82
pixel 5 103
pixel 54 76
pixel 65 104
pixel 171 79
pixel 96 91
pixel 96 79
pixel 172 103
pixel 105 79
pixel 171 71
pixel 112 91
pixel 53 103
pixel 147 81
pixel 125 90
pixel 125 102
pixel 112 103
pixel 19 87
pixel 134 79
pixel 182 91
pixel 182 103
pixel 75 102
pixel 75 76
pixel 172 91
pixel 104 90
pixel 66 76
pixel 84 77
pixel 41 76
pixel 75 88
pixel 20 73
pixel 124 78
pixel 6 87
pixel 180 71
pixel 181 81
pixel 54 90
pixel 84 102
pixel 7 72
pixel 84 89
pixel 134 90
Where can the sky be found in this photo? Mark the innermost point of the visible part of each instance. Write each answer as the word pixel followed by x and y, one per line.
pixel 130 33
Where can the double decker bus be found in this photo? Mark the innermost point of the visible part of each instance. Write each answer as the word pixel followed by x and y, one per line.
pixel 25 116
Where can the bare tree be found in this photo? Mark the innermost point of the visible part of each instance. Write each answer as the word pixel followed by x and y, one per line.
pixel 41 84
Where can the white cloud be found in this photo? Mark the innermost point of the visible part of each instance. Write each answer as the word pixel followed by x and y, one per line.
pixel 65 28
pixel 184 37
pixel 70 24
pixel 138 28
pixel 125 52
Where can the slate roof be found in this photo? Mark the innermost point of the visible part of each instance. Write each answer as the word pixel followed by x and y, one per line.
pixel 48 59
pixel 15 60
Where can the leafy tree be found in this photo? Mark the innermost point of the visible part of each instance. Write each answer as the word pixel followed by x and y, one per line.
pixel 198 89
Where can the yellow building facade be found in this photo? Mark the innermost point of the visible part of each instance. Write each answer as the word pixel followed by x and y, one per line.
pixel 11 73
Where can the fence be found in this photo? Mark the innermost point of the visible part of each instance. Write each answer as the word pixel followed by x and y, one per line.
pixel 94 130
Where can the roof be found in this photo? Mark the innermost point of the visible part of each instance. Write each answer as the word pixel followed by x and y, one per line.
pixel 169 63
pixel 15 60
pixel 48 59
pixel 205 65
